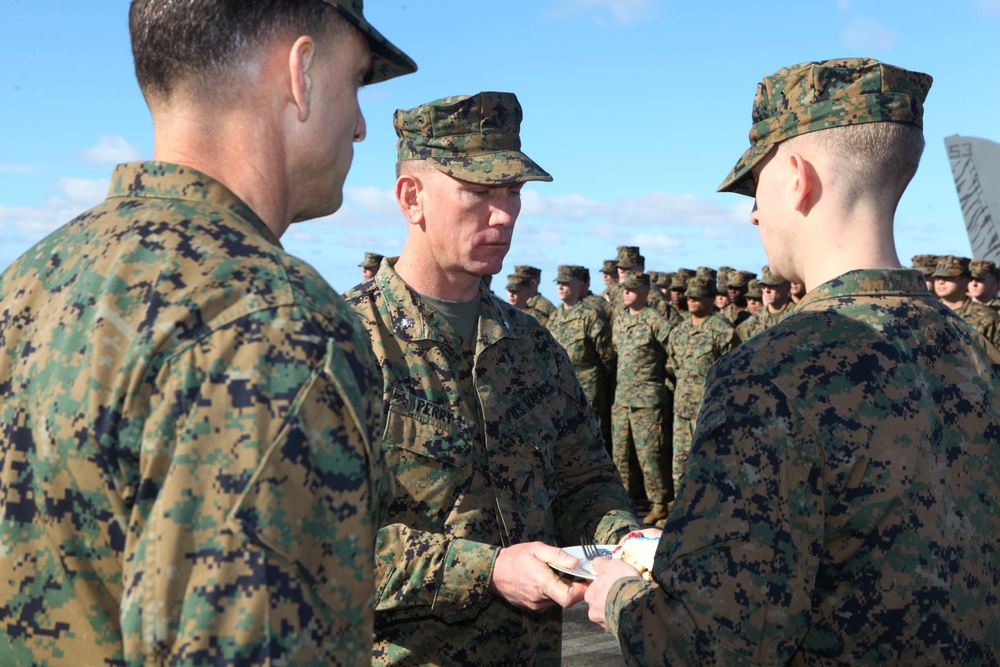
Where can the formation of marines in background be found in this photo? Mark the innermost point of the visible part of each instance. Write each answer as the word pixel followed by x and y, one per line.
pixel 643 368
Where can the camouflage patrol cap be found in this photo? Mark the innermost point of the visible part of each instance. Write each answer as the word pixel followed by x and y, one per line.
pixel 699 288
pixel 532 272
pixel 819 95
pixel 371 260
pixel 707 272
pixel 981 269
pixel 686 273
pixel 666 279
pixel 768 278
pixel 517 282
pixel 950 266
pixel 754 290
pixel 925 263
pixel 659 278
pixel 568 272
pixel 472 138
pixel 723 276
pixel 629 257
pixel 387 60
pixel 679 281
pixel 635 280
pixel 609 266
pixel 740 279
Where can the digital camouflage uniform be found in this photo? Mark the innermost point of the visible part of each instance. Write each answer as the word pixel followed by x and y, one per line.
pixel 541 308
pixel 983 319
pixel 761 320
pixel 490 447
pixel 841 503
pixel 691 351
pixel 586 336
pixel 189 462
pixel 640 415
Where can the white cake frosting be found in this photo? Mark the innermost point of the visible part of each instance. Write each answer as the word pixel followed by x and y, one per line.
pixel 638 551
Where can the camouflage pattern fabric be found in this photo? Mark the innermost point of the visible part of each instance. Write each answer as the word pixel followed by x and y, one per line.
pixel 691 351
pixel 540 308
pixel 842 503
pixel 734 315
pixel 190 470
pixel 490 446
pixel 586 336
pixel 640 415
pixel 474 138
pixel 598 303
pixel 761 320
pixel 982 318
pixel 818 95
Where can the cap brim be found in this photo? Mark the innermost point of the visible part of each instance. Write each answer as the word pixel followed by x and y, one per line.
pixel 739 179
pixel 388 61
pixel 500 168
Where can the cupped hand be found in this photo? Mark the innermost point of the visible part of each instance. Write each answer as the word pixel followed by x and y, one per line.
pixel 522 576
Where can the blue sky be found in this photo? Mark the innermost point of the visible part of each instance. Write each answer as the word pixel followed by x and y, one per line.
pixel 638 108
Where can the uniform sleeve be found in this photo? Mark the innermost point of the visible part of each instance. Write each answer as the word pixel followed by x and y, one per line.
pixel 601 335
pixel 253 532
pixel 446 576
pixel 738 559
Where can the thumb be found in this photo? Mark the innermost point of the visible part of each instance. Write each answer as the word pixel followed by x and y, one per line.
pixel 556 556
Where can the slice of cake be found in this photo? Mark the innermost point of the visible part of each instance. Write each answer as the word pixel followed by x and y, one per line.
pixel 638 551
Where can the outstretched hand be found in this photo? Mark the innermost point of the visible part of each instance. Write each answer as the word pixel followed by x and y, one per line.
pixel 522 576
pixel 609 570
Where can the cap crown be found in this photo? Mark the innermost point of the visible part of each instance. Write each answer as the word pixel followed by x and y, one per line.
pixel 474 138
pixel 815 96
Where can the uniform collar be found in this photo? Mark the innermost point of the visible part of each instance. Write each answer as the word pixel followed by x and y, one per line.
pixel 165 180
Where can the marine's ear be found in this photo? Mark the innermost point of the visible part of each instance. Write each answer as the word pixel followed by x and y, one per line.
pixel 301 64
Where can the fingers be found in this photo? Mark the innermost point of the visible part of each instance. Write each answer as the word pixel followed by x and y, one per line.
pixel 566 592
pixel 554 555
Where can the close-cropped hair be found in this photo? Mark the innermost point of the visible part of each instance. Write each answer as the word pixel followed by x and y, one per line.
pixel 412 167
pixel 194 41
pixel 879 158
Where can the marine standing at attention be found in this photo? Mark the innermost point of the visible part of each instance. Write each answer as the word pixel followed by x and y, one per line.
pixel 841 504
pixel 190 466
pixel 585 333
pixel 497 456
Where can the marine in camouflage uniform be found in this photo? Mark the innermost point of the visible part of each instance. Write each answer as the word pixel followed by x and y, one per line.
pixel 640 415
pixel 694 346
pixel 951 283
pixel 984 285
pixel 776 307
pixel 841 501
pixel 678 304
pixel 369 265
pixel 737 283
pixel 537 305
pixel 926 264
pixel 585 334
pixel 190 470
pixel 487 430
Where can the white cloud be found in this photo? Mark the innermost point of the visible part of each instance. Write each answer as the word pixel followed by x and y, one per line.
pixel 70 197
pixel 866 33
pixel 110 149
pixel 620 12
pixel 647 241
pixel 989 8
pixel 651 208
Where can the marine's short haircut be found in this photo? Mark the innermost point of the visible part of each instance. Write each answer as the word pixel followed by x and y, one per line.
pixel 193 41
pixel 879 158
